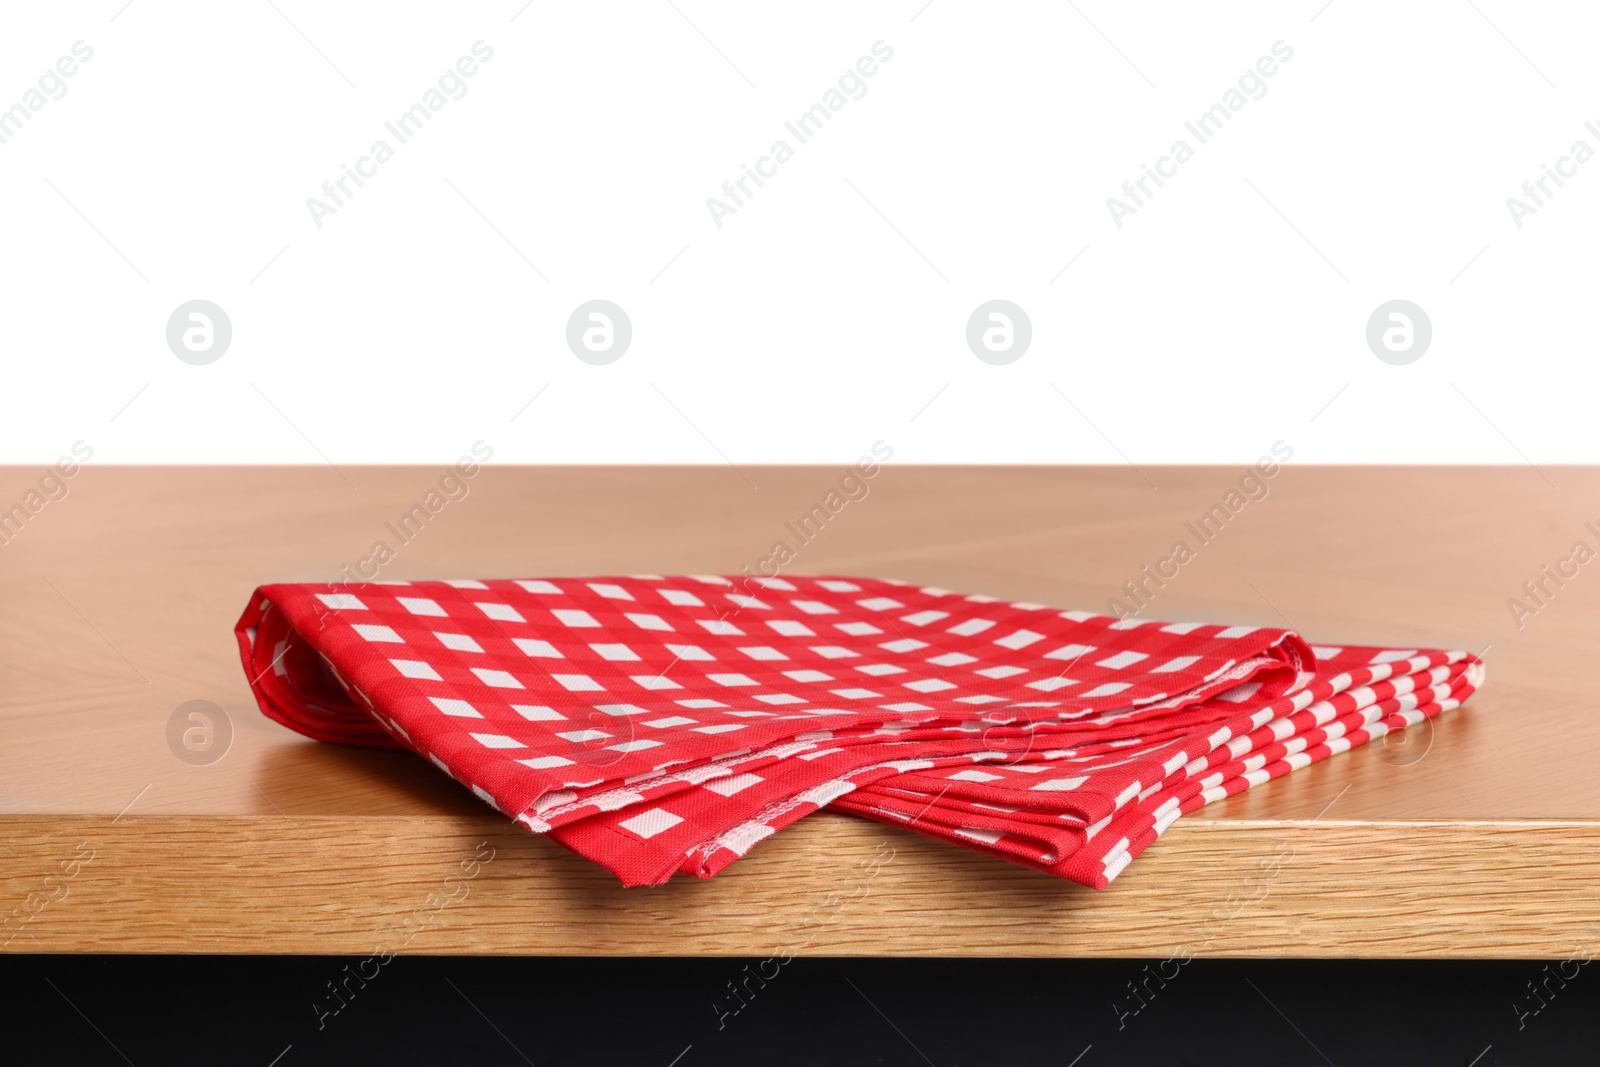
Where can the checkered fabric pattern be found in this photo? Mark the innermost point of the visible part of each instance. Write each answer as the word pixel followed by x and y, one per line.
pixel 662 725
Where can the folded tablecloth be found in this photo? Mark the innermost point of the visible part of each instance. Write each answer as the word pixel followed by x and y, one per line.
pixel 661 725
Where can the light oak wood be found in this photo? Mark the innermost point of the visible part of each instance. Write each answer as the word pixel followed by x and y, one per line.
pixel 1478 838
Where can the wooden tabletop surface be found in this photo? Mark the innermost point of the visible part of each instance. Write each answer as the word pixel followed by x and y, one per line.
pixel 1477 836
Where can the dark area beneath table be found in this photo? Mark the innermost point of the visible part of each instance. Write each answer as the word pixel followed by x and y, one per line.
pixel 287 1011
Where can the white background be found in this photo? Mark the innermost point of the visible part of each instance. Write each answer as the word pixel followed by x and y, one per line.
pixel 830 311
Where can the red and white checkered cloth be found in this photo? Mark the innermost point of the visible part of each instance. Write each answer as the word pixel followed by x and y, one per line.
pixel 658 725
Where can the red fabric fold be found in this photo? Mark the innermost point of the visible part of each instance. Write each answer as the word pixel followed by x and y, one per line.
pixel 663 725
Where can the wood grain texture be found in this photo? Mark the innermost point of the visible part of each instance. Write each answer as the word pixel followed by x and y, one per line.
pixel 1476 838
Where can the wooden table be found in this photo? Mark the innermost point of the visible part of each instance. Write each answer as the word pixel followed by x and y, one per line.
pixel 1478 837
